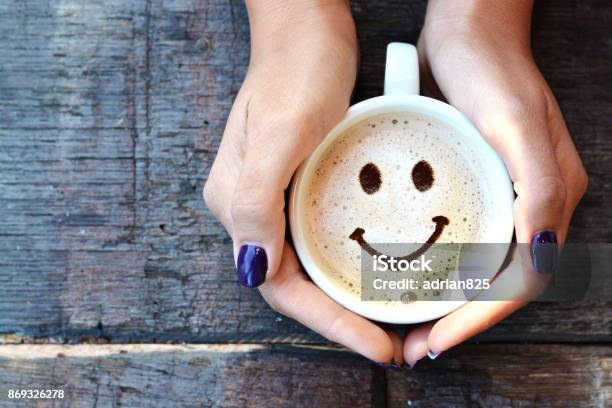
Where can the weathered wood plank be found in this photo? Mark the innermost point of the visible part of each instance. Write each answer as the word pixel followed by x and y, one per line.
pixel 507 376
pixel 110 117
pixel 251 375
pixel 189 376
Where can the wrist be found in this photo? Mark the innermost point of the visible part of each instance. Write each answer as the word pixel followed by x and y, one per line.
pixel 278 12
pixel 503 11
pixel 287 24
pixel 472 18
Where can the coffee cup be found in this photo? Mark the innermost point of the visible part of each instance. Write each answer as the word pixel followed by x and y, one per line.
pixel 423 137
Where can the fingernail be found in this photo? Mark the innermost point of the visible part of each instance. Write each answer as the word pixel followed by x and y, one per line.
pixel 396 366
pixel 432 355
pixel 411 366
pixel 381 365
pixel 252 265
pixel 544 251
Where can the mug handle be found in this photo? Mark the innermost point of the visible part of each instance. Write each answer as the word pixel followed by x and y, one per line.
pixel 401 69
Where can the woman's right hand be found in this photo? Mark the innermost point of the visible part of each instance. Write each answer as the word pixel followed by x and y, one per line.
pixel 298 86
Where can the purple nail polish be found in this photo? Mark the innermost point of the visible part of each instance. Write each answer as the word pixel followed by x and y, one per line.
pixel 432 355
pixel 380 365
pixel 396 366
pixel 544 251
pixel 252 265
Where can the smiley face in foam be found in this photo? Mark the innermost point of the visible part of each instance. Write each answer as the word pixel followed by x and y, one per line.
pixel 393 178
pixel 370 179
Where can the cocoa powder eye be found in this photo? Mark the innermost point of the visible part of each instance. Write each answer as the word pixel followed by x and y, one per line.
pixel 422 176
pixel 370 178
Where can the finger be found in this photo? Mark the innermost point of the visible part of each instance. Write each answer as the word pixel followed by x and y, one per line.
pixel 572 170
pixel 290 293
pixel 398 355
pixel 218 189
pixel 415 344
pixel 275 146
pixel 258 224
pixel 537 179
pixel 433 339
pixel 525 144
pixel 513 288
pixel 466 322
pixel 224 173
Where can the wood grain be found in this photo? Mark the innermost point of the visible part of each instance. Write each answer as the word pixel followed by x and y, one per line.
pixel 253 375
pixel 110 117
pixel 507 376
pixel 189 376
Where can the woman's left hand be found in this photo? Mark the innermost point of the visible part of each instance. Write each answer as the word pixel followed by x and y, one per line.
pixel 478 57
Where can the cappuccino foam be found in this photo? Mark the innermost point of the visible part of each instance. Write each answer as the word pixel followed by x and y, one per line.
pixel 390 176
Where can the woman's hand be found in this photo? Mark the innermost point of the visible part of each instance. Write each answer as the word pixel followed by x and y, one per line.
pixel 477 55
pixel 298 86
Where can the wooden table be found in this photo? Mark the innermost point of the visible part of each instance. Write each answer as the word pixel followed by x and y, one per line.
pixel 117 285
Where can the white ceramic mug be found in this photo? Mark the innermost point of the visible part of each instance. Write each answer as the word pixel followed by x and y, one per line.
pixel 401 94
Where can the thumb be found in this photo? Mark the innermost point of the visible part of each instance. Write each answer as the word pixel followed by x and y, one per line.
pixel 257 206
pixel 258 220
pixel 538 209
